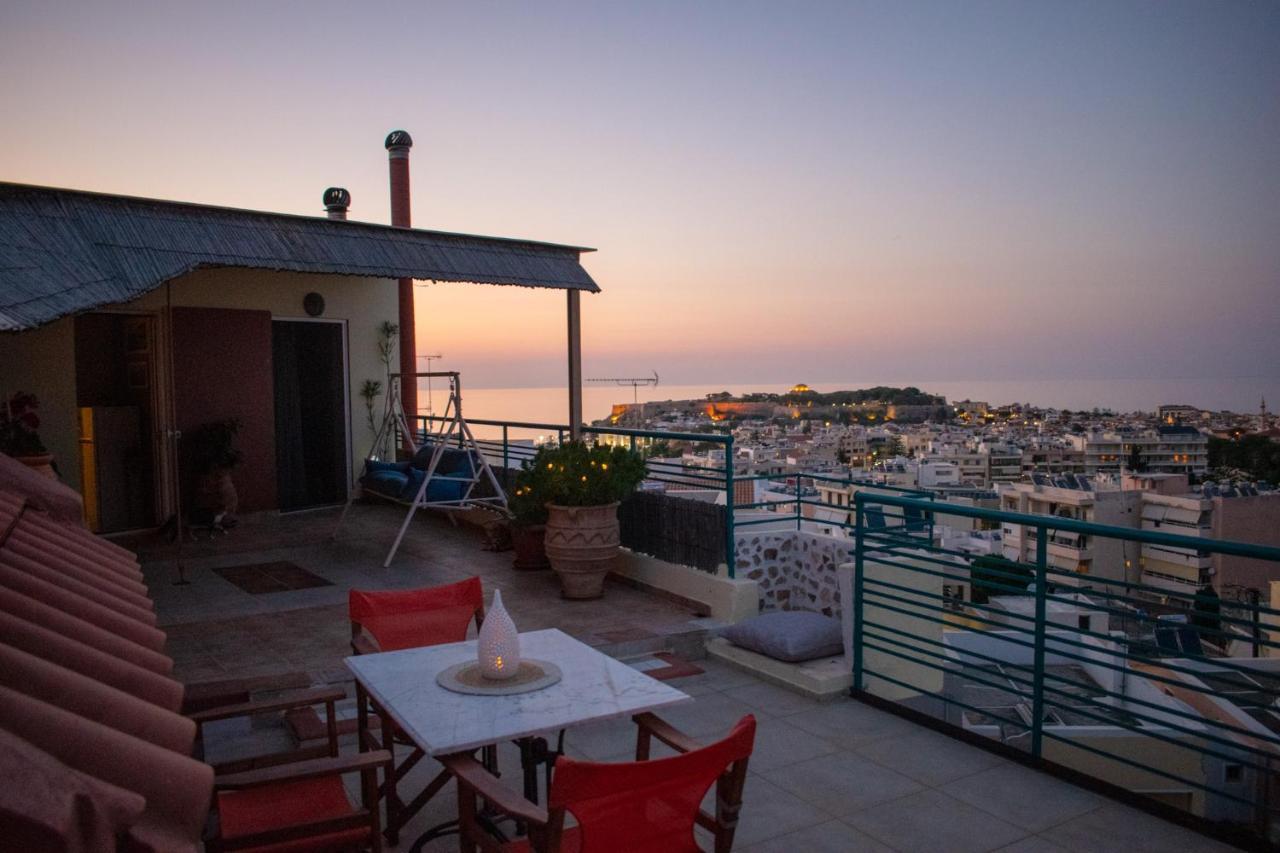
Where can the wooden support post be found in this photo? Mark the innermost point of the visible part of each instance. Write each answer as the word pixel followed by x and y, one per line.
pixel 575 364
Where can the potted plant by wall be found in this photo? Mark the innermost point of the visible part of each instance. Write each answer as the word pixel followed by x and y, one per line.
pixel 213 456
pixel 528 521
pixel 19 433
pixel 582 487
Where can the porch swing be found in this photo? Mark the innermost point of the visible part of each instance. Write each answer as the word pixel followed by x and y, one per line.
pixel 445 466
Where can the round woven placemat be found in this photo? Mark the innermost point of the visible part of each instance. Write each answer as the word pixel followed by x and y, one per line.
pixel 466 678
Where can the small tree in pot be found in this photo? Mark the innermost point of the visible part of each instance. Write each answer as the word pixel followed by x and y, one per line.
pixel 581 488
pixel 213 456
pixel 528 520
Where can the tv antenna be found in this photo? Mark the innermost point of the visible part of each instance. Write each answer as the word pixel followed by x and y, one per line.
pixel 430 358
pixel 635 383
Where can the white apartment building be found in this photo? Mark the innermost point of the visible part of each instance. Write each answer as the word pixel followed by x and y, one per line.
pixel 1169 507
pixel 1004 461
pixel 973 465
pixel 1080 554
pixel 1165 450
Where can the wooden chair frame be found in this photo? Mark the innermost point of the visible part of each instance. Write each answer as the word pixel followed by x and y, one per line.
pixel 546 826
pixel 398 811
pixel 294 766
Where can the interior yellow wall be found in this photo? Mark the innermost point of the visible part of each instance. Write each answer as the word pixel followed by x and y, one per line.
pixel 43 360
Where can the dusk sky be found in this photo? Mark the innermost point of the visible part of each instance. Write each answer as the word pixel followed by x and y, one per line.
pixel 777 191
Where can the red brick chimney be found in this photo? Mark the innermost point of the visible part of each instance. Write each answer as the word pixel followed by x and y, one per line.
pixel 398 144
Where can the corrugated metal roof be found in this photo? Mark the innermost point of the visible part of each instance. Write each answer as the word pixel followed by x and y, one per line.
pixel 65 251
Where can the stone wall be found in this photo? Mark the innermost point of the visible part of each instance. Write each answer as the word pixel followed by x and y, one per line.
pixel 794 570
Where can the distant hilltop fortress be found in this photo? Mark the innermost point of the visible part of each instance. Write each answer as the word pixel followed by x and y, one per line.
pixel 881 403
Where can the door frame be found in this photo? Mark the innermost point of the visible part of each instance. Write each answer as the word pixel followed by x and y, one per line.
pixel 346 397
pixel 163 465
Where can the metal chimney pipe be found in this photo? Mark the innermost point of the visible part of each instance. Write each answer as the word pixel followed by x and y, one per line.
pixel 336 202
pixel 398 144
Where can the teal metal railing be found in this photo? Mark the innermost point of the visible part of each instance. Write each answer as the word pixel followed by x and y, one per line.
pixel 1162 691
pixel 509 444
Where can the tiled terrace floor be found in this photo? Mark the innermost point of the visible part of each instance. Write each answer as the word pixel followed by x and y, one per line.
pixel 217 630
pixel 824 777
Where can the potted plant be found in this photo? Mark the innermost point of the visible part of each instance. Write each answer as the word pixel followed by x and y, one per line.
pixel 528 520
pixel 19 436
pixel 213 456
pixel 581 487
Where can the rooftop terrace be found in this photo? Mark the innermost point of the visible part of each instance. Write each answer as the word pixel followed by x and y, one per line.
pixel 840 775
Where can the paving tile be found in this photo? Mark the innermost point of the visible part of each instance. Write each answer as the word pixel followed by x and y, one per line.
pixel 830 837
pixel 720 676
pixel 1024 797
pixel 708 717
pixel 608 740
pixel 1033 844
pixel 769 811
pixel 929 757
pixel 778 743
pixel 841 783
pixel 771 699
pixel 850 724
pixel 931 820
pixel 1114 827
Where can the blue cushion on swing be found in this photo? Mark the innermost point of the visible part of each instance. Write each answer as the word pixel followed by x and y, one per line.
pixel 374 465
pixel 441 488
pixel 452 460
pixel 387 482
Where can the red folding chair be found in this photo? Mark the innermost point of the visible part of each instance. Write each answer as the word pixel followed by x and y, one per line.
pixel 388 620
pixel 641 807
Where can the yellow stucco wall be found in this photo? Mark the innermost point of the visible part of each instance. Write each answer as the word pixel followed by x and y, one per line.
pixel 43 360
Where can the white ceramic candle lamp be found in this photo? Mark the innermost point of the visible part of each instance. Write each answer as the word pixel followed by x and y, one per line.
pixel 499 643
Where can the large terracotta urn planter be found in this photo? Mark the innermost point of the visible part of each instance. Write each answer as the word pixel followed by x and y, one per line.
pixel 582 544
pixel 528 545
pixel 42 464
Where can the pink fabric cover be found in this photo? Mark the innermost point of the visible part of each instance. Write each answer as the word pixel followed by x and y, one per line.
pixel 80 657
pixel 83 583
pixel 93 700
pixel 33 610
pixel 91 570
pixel 61 501
pixel 91 611
pixel 177 789
pixel 50 807
pixel 45 533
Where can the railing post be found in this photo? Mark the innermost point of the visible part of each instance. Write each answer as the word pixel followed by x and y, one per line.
pixel 633 444
pixel 797 502
pixel 506 452
pixel 730 540
pixel 857 603
pixel 1037 668
pixel 560 436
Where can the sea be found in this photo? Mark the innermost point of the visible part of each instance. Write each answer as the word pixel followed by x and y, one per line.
pixel 550 405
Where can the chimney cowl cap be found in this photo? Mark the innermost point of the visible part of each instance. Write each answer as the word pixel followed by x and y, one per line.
pixel 399 139
pixel 337 197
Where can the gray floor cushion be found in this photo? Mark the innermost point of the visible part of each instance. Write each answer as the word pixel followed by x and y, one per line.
pixel 789 635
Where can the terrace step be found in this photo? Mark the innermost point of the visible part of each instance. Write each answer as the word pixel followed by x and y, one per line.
pixel 689 644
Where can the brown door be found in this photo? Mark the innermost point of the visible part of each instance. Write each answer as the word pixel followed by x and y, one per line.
pixel 222 369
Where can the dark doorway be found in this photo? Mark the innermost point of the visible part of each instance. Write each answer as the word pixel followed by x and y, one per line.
pixel 311 413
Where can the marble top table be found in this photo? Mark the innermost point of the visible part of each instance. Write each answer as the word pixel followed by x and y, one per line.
pixel 594 687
